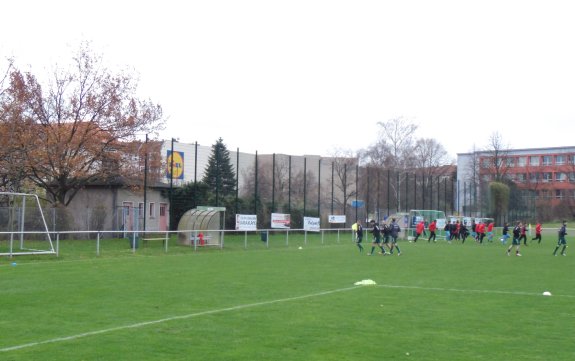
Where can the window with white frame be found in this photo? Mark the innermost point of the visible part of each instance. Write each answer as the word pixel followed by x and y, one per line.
pixel 559 159
pixel 547 176
pixel 547 160
pixel 510 162
pixel 534 177
pixel 558 193
pixel 152 210
pixel 521 161
pixel 561 177
pixel 534 160
pixel 572 177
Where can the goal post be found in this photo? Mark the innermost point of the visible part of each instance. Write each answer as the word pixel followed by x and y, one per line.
pixel 23 228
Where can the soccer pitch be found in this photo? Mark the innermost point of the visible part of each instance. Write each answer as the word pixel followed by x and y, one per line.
pixel 434 302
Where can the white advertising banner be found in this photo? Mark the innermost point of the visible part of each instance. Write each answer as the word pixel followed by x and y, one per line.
pixel 281 220
pixel 336 219
pixel 311 224
pixel 246 222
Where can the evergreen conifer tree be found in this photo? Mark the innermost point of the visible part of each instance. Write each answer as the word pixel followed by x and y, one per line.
pixel 219 175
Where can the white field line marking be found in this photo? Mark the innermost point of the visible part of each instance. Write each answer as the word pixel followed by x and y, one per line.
pixel 516 293
pixel 251 305
pixel 182 317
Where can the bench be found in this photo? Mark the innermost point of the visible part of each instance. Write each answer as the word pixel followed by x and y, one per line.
pixel 163 239
pixel 154 239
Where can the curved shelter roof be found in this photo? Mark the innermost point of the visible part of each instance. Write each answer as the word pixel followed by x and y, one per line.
pixel 198 220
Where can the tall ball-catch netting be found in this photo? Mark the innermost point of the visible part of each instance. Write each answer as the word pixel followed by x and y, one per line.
pixel 23 228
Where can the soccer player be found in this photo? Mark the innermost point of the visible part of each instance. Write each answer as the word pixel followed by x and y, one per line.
pixel 394 232
pixel 376 232
pixel 490 231
pixel 523 234
pixel 473 229
pixel 359 235
pixel 432 228
pixel 419 230
pixel 561 241
pixel 480 229
pixel 447 230
pixel 463 232
pixel 537 233
pixel 516 239
pixel 505 233
pixel 386 231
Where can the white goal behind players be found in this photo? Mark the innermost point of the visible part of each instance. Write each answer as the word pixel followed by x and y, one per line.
pixel 23 228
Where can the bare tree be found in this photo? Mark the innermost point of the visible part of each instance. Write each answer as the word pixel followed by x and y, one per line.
pixel 273 183
pixel 344 163
pixel 470 179
pixel 429 159
pixel 496 164
pixel 394 151
pixel 282 185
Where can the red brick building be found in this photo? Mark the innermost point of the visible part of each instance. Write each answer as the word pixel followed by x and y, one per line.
pixel 542 179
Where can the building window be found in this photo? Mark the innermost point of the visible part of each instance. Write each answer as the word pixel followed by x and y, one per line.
pixel 558 193
pixel 521 177
pixel 559 159
pixel 547 176
pixel 510 162
pixel 561 177
pixel 140 210
pixel 152 210
pixel 547 160
pixel 572 177
pixel 521 161
pixel 534 160
pixel 571 159
pixel 534 177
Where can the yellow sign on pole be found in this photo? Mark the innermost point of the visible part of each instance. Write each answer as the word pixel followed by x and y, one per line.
pixel 178 165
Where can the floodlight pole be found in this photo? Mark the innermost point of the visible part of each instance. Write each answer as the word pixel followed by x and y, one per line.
pixel 171 182
pixel 145 181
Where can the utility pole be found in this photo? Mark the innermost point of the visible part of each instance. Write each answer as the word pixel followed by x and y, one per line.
pixel 145 182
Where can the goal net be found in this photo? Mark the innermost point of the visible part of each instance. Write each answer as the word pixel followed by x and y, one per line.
pixel 23 228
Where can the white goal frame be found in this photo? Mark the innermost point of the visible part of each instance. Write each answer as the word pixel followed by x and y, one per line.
pixel 18 246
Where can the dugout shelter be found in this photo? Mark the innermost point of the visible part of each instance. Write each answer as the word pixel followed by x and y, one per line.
pixel 202 226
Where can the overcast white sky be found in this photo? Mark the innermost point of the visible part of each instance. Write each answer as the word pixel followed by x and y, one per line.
pixel 307 77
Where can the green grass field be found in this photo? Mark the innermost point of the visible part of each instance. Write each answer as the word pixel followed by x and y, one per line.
pixel 435 302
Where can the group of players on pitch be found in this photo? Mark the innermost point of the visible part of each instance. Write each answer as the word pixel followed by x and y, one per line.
pixel 390 233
